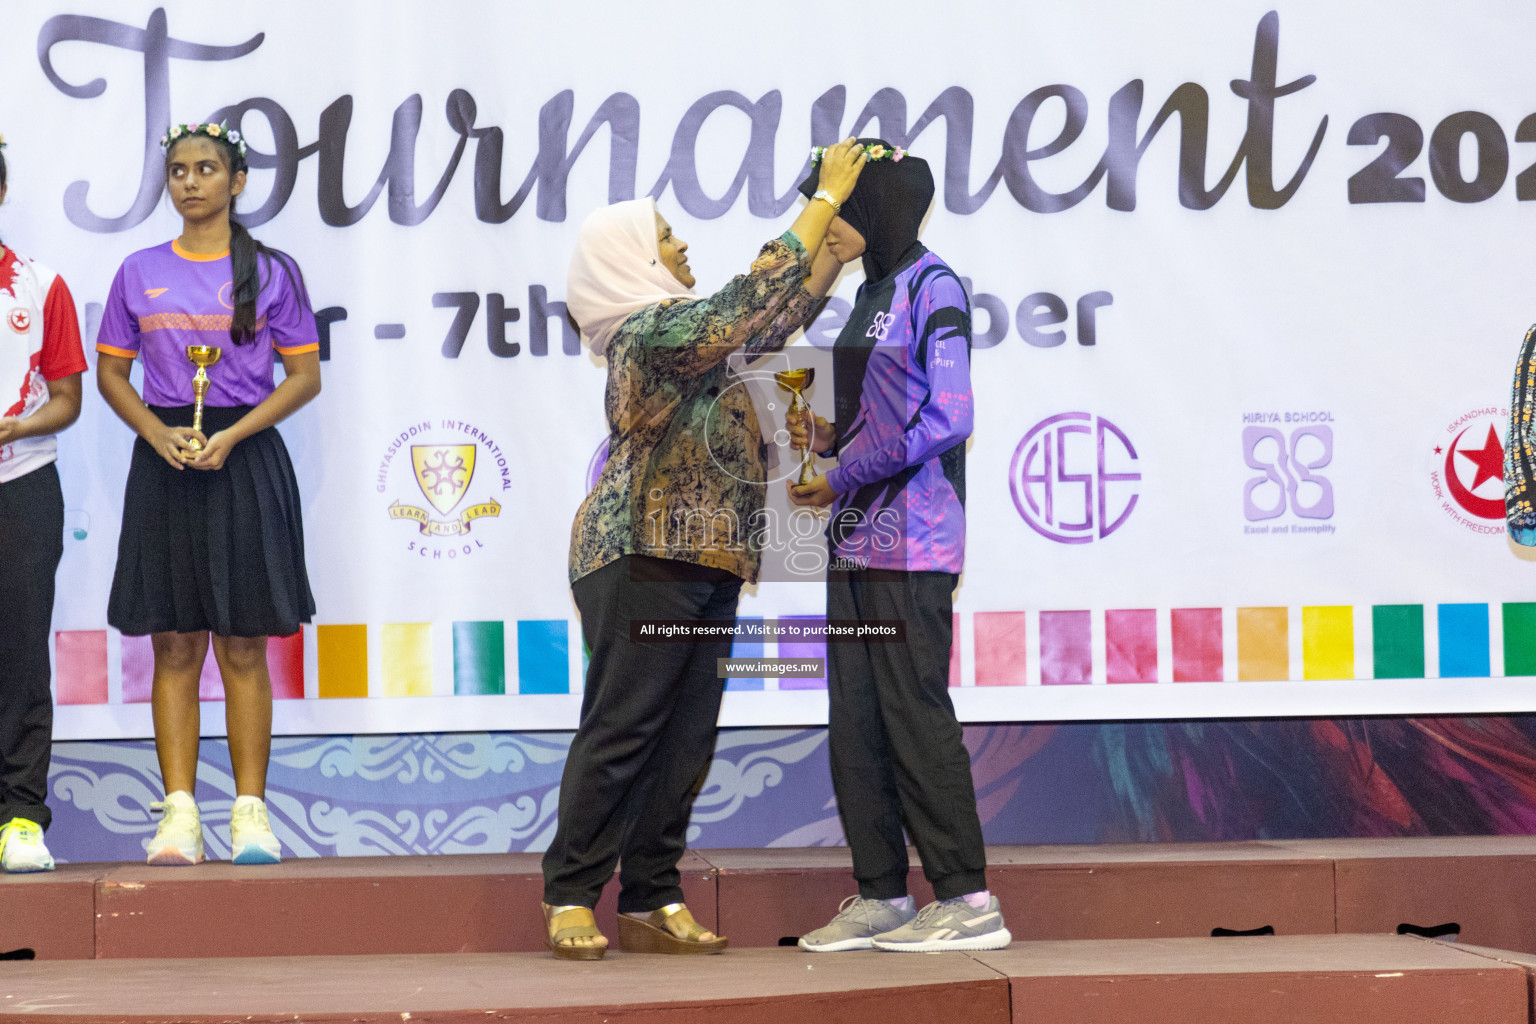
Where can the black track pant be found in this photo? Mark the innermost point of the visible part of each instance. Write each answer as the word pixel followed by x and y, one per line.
pixel 896 750
pixel 31 544
pixel 647 734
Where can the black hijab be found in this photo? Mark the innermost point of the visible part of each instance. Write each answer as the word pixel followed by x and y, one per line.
pixel 886 207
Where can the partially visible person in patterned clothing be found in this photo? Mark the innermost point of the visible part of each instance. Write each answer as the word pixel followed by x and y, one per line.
pixel 665 534
pixel 896 541
pixel 1520 447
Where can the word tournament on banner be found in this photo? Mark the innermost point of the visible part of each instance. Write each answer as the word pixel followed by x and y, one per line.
pixel 1246 297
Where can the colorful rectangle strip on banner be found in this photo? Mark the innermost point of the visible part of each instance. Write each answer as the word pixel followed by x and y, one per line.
pixel 137 658
pixel 1397 641
pixel 479 658
pixel 816 648
pixel 1520 639
pixel 1066 648
pixel 746 647
pixel 1001 658
pixel 543 656
pixel 405 659
pixel 342 656
pixel 1328 642
pixel 285 664
pixel 405 662
pixel 1263 644
pixel 1197 645
pixel 1464 640
pixel 80 666
pixel 1130 645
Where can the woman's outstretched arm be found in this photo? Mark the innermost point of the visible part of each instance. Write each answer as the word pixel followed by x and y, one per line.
pixel 696 336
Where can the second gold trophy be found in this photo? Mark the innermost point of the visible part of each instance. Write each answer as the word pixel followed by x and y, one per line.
pixel 796 382
pixel 202 356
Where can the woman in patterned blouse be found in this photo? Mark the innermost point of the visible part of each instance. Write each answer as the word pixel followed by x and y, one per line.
pixel 1520 447
pixel 665 535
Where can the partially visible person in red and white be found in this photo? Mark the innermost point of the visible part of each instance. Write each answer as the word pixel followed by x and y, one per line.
pixel 40 366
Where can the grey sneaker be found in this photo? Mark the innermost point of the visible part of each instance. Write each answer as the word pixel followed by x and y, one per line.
pixel 949 924
pixel 857 922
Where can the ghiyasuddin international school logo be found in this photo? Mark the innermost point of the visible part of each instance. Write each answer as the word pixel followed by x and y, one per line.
pixel 1467 470
pixel 1074 478
pixel 444 476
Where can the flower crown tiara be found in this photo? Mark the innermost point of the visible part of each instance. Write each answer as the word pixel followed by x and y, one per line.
pixel 220 131
pixel 873 151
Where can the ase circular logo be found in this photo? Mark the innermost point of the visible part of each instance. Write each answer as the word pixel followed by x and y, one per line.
pixel 1071 479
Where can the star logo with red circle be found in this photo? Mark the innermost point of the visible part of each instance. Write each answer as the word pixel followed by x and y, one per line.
pixel 20 320
pixel 1467 473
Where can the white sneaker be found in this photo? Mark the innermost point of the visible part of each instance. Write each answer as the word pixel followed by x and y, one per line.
pixel 857 923
pixel 22 848
pixel 179 839
pixel 949 925
pixel 250 835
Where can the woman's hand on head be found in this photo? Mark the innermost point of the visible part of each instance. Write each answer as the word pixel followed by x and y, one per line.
pixel 840 168
pixel 175 445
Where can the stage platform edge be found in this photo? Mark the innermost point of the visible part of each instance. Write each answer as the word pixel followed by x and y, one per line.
pixel 474 903
pixel 1485 885
pixel 1364 979
pixel 488 903
pixel 1056 892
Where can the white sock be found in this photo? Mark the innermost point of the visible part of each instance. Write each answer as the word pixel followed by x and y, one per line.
pixel 241 801
pixel 903 904
pixel 978 900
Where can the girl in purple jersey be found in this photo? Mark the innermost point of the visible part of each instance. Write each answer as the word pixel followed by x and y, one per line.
pixel 896 538
pixel 212 543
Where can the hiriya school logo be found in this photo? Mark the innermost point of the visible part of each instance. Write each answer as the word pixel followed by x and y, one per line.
pixel 1073 478
pixel 1289 449
pixel 451 463
pixel 21 320
pixel 1467 470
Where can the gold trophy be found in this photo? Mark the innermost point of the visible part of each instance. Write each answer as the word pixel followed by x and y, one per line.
pixel 202 356
pixel 795 382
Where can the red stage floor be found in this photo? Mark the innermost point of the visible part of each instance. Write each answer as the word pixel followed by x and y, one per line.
pixel 1312 979
pixel 761 898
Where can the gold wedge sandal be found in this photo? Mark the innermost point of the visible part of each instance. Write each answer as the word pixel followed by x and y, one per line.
pixel 651 934
pixel 564 923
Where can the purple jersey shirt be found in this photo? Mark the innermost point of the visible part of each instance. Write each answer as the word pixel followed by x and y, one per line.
pixel 164 299
pixel 902 376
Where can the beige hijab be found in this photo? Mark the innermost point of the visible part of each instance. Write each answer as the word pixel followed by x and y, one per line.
pixel 617 270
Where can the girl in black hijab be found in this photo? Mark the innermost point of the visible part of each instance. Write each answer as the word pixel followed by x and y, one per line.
pixel 896 541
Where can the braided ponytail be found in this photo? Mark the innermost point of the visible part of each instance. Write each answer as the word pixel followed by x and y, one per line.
pixel 245 280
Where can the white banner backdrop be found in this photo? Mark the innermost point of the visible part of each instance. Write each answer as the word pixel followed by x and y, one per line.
pixel 1249 284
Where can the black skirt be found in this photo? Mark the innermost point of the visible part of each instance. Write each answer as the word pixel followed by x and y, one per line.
pixel 220 550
